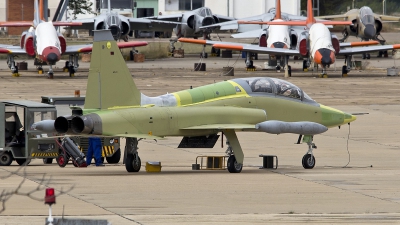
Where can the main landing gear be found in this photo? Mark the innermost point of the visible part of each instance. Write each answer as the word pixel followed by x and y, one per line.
pixel 234 151
pixel 308 160
pixel 12 66
pixel 131 159
pixel 72 65
pixel 347 65
pixel 249 62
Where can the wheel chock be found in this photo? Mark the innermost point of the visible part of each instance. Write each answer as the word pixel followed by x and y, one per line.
pixel 40 71
pixel 15 74
pixel 250 69
pixel 65 69
pixel 72 75
pixel 344 75
pixel 325 76
pixel 305 70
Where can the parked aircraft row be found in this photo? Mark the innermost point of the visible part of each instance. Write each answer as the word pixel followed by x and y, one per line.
pixel 279 34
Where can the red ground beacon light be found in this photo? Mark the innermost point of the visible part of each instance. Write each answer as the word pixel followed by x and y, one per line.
pixel 50 197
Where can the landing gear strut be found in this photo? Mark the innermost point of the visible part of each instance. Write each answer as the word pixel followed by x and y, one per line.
pixel 347 65
pixel 50 73
pixel 72 65
pixel 249 62
pixel 234 151
pixel 308 160
pixel 12 66
pixel 323 74
pixel 132 159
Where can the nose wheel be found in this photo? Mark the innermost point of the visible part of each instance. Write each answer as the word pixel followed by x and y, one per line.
pixel 308 160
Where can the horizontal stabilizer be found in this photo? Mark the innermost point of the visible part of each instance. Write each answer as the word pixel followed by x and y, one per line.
pixel 281 127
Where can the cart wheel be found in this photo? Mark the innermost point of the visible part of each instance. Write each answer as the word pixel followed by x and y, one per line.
pixel 62 160
pixel 115 157
pixel 23 162
pixel 48 160
pixel 6 158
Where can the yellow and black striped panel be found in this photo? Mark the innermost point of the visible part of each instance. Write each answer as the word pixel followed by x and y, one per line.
pixel 107 151
pixel 44 154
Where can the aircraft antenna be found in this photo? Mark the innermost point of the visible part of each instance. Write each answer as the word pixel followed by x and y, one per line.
pixel 347 145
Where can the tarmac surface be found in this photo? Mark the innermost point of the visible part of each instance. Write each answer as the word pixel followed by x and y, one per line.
pixel 355 180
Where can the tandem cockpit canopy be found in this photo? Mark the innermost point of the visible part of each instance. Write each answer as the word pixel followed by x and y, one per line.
pixel 259 85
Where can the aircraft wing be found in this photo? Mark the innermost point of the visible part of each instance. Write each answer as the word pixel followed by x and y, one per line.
pixel 221 127
pixel 241 47
pixel 224 18
pixel 151 24
pixel 88 48
pixel 355 44
pixel 16 24
pixel 249 34
pixel 389 18
pixel 173 17
pixel 11 49
pixel 351 51
pixel 86 23
pixel 333 17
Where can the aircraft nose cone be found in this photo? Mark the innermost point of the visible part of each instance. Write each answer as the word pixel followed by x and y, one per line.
pixel 369 31
pixel 348 118
pixel 50 55
pixel 278 45
pixel 324 56
pixel 52 58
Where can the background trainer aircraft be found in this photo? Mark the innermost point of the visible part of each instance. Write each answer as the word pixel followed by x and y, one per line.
pixel 46 45
pixel 365 24
pixel 249 104
pixel 316 44
pixel 121 27
pixel 189 23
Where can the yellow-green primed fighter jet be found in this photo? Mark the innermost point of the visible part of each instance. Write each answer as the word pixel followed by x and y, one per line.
pixel 115 107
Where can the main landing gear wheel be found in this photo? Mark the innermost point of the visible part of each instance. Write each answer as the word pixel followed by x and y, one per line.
pixel 308 161
pixel 344 71
pixel 62 160
pixel 133 163
pixel 305 66
pixel 233 166
pixel 50 75
pixel 71 71
pixel 6 158
pixel 290 71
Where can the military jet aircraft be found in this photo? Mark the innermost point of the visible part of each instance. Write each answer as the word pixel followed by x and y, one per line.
pixel 315 44
pixel 189 23
pixel 245 104
pixel 365 25
pixel 46 45
pixel 121 27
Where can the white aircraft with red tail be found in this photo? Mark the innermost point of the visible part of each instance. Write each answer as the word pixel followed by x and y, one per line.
pixel 46 45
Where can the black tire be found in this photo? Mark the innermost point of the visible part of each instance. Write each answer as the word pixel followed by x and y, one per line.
pixel 130 165
pixel 62 160
pixel 305 65
pixel 364 56
pixel 48 160
pixel 308 161
pixel 114 158
pixel 6 158
pixel 290 71
pixel 233 166
pixel 22 162
pixel 71 71
pixel 368 56
pixel 344 70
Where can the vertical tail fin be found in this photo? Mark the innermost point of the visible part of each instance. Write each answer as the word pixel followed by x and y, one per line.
pixel 278 11
pixel 310 13
pixel 36 18
pixel 110 83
